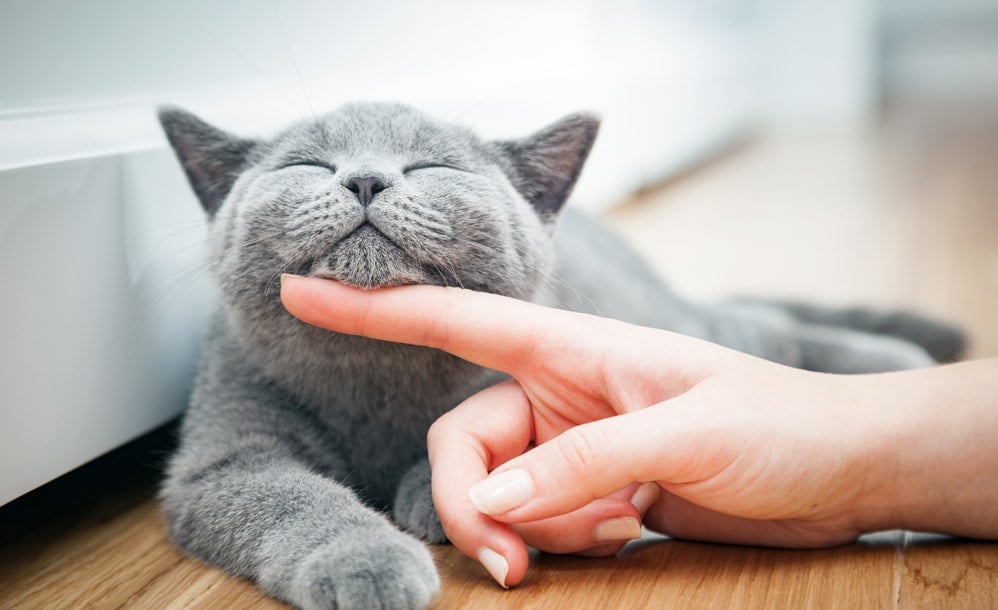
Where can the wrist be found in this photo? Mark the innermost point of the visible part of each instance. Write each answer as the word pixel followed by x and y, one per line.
pixel 890 428
pixel 930 455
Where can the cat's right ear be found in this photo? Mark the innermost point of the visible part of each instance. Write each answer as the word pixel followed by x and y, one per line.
pixel 545 166
pixel 211 158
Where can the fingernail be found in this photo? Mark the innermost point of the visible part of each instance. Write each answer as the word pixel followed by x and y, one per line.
pixel 495 564
pixel 618 529
pixel 645 495
pixel 287 275
pixel 502 492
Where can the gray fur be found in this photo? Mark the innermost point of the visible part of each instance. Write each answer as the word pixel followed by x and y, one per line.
pixel 298 442
pixel 944 342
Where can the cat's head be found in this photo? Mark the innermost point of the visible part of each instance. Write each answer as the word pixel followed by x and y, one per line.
pixel 378 195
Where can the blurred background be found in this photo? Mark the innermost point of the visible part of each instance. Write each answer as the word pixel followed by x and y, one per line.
pixel 674 79
pixel 839 152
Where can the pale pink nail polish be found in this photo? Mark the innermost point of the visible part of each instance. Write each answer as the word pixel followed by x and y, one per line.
pixel 495 564
pixel 618 529
pixel 502 492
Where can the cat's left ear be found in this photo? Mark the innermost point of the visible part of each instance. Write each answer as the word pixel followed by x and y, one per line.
pixel 545 166
pixel 212 158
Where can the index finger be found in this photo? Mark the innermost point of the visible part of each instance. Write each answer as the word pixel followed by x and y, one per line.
pixel 489 330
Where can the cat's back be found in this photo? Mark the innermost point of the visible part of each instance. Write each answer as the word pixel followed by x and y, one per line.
pixel 597 272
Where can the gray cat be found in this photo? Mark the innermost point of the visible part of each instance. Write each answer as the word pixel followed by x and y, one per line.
pixel 299 442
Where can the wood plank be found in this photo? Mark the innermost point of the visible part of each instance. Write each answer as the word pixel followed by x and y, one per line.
pixel 944 573
pixel 660 573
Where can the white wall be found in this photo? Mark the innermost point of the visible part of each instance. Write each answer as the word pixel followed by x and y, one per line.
pixel 669 78
pixel 100 315
pixel 941 53
pixel 817 62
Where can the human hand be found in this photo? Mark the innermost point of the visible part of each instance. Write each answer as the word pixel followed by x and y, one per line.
pixel 744 451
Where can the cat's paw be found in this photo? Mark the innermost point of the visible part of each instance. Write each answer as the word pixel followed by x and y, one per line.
pixel 944 342
pixel 413 510
pixel 390 570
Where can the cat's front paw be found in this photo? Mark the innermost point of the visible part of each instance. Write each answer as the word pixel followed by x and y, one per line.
pixel 389 570
pixel 413 510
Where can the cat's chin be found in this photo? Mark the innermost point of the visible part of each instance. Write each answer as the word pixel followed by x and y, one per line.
pixel 366 259
pixel 366 284
pixel 361 277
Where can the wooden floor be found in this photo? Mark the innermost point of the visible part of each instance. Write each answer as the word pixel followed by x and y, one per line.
pixel 906 215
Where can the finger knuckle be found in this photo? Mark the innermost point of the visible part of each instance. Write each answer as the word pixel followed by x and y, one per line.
pixel 451 523
pixel 579 451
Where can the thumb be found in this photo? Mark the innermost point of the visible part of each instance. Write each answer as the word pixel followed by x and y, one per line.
pixel 582 464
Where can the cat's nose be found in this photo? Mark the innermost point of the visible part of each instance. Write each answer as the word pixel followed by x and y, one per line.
pixel 365 187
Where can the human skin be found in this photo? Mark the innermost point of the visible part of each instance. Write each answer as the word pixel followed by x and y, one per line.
pixel 740 450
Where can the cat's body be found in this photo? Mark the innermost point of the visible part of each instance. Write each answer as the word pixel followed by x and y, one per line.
pixel 298 442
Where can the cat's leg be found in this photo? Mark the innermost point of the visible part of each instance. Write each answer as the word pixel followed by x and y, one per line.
pixel 755 329
pixel 256 510
pixel 770 332
pixel 413 507
pixel 944 342
pixel 838 350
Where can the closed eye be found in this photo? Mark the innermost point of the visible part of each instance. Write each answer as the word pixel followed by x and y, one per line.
pixel 320 164
pixel 431 165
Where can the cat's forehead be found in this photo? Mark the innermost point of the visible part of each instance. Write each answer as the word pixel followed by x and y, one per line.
pixel 379 129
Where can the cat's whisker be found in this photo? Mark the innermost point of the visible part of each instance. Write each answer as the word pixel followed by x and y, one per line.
pixel 242 56
pixel 198 244
pixel 553 277
pixel 260 238
pixel 275 279
pixel 185 227
pixel 294 62
pixel 178 282
pixel 440 272
pixel 477 245
pixel 453 272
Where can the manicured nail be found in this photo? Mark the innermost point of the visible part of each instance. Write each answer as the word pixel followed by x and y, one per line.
pixel 502 492
pixel 645 495
pixel 618 529
pixel 495 564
